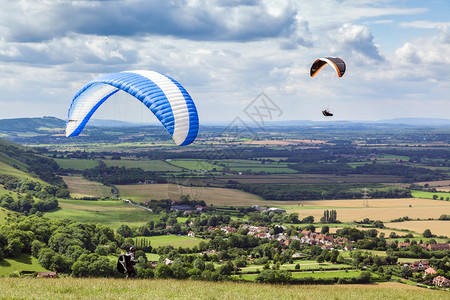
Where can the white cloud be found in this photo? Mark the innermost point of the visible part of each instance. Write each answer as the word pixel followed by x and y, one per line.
pixel 355 40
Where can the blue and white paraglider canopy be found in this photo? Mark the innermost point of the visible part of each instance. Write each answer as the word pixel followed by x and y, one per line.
pixel 164 96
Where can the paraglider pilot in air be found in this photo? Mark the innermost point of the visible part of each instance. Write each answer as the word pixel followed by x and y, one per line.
pixel 336 63
pixel 326 113
pixel 126 263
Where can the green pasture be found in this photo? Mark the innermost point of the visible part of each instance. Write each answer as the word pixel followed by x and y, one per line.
pixel 152 256
pixel 172 240
pixel 110 213
pixel 257 166
pixel 76 164
pixel 321 274
pixel 25 262
pixel 394 157
pixel 381 254
pixel 305 265
pixel 145 164
pixel 312 265
pixel 429 195
pixel 194 164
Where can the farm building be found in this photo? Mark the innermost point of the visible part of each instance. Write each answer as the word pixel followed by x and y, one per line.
pixel 47 274
pixel 441 281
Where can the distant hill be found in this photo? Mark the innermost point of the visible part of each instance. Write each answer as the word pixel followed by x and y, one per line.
pixel 20 129
pixel 45 124
pixel 417 121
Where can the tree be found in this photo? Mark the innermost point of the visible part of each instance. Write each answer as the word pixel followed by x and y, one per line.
pixel 125 231
pixel 295 245
pixel 14 248
pixel 406 272
pixel 199 264
pixel 308 219
pixel 325 229
pixel 364 277
pixel 80 269
pixel 163 271
pixel 274 276
pixel 427 233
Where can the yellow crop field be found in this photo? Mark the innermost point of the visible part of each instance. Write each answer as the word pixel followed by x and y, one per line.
pixel 436 227
pixel 378 209
pixel 385 231
pixel 80 187
pixel 441 186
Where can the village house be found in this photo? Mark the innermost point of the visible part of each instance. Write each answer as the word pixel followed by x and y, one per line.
pixel 228 230
pixel 47 274
pixel 277 210
pixel 148 181
pixel 441 246
pixel 191 234
pixel 180 207
pixel 429 271
pixel 403 245
pixel 418 265
pixel 348 247
pixel 441 281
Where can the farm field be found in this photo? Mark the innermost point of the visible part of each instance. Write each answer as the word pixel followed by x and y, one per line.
pixel 194 164
pixel 216 196
pixel 378 209
pixel 80 187
pixel 285 142
pixel 436 227
pixel 429 195
pixel 316 274
pixel 257 166
pixel 24 262
pixel 309 178
pixel 145 164
pixel 385 231
pixel 76 164
pixel 97 288
pixel 173 240
pixel 441 185
pixel 305 265
pixel 110 213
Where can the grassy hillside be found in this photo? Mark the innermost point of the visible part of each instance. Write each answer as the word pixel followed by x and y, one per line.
pixel 110 213
pixel 95 288
pixel 26 163
pixel 24 262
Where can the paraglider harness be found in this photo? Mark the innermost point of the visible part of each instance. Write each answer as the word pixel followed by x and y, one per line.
pixel 326 113
pixel 126 262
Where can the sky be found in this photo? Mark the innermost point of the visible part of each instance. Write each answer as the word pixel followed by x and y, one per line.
pixel 236 58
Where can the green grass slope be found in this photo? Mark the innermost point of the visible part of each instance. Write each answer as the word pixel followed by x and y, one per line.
pixel 96 288
pixel 24 262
